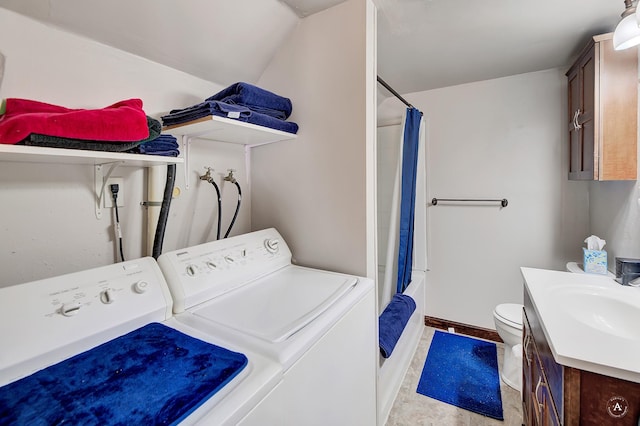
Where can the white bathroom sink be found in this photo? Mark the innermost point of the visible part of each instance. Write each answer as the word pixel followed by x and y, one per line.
pixel 590 321
pixel 603 309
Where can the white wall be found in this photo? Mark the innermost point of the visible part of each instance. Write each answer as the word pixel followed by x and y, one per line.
pixel 502 138
pixel 238 39
pixel 614 216
pixel 317 190
pixel 47 210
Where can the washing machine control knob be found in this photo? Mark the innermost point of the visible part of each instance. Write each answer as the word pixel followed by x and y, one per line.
pixel 191 270
pixel 70 309
pixel 272 245
pixel 140 286
pixel 230 260
pixel 212 265
pixel 106 296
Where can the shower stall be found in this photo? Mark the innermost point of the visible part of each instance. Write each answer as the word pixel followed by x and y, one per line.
pixel 389 148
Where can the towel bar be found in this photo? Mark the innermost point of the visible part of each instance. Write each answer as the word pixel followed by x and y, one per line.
pixel 503 202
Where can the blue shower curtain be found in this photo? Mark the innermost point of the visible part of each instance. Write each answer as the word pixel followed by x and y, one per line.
pixel 408 197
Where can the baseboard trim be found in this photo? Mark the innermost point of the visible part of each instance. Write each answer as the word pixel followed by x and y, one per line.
pixel 469 330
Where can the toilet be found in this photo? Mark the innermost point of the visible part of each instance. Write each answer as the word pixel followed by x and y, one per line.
pixel 508 320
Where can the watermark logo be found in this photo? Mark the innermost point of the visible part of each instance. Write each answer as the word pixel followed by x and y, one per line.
pixel 617 407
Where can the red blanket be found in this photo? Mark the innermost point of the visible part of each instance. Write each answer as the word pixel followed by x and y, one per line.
pixel 123 121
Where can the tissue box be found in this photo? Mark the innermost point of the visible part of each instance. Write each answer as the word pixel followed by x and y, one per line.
pixel 595 261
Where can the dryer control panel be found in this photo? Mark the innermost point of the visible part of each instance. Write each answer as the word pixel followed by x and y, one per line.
pixel 206 271
pixel 45 315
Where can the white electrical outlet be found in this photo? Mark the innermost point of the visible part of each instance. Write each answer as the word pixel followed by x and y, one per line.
pixel 108 197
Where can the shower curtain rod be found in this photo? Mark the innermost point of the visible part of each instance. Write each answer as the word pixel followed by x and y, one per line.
pixel 396 94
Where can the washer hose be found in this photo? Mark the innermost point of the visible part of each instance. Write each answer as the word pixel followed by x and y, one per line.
pixel 215 185
pixel 164 210
pixel 207 176
pixel 114 193
pixel 235 215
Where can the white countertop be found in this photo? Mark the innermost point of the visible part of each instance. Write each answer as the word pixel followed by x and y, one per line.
pixel 590 321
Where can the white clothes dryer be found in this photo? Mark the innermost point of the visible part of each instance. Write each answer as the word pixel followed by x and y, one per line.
pixel 99 346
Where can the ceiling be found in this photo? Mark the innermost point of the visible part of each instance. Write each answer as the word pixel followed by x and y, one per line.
pixel 422 44
pixel 304 8
pixel 426 44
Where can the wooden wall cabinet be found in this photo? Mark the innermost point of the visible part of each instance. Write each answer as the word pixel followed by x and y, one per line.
pixel 602 114
pixel 553 394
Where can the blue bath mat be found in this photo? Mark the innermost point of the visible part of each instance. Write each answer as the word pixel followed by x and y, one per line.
pixel 463 371
pixel 153 375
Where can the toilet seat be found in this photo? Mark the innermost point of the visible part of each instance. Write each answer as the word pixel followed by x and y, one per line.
pixel 510 314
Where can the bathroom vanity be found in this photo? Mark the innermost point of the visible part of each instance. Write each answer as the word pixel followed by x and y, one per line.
pixel 581 342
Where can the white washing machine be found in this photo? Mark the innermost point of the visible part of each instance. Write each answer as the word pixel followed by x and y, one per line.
pixel 100 346
pixel 319 326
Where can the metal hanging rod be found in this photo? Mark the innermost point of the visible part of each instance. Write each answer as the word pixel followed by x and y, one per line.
pixel 503 202
pixel 396 94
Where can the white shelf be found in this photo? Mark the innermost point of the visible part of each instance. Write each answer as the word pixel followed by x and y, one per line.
pixel 36 154
pixel 224 129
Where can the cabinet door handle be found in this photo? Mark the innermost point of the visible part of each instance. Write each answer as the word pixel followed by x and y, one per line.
pixel 576 124
pixel 541 384
pixel 535 392
pixel 539 407
pixel 527 340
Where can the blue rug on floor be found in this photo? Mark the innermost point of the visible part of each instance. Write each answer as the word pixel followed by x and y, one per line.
pixel 463 371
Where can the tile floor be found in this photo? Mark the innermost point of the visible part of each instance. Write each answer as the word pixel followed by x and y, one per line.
pixel 413 409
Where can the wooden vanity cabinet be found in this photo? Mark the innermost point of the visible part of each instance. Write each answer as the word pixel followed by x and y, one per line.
pixel 553 394
pixel 602 113
pixel 538 405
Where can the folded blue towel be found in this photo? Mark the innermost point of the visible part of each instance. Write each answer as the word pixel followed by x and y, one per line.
pixel 222 109
pixel 255 98
pixel 164 153
pixel 179 116
pixel 158 146
pixel 165 138
pixel 392 322
pixel 165 145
